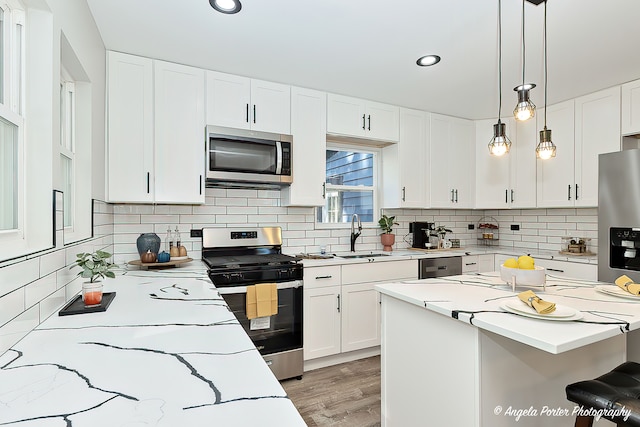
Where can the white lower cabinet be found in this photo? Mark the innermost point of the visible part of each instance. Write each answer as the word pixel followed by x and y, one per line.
pixel 557 268
pixel 342 308
pixel 477 263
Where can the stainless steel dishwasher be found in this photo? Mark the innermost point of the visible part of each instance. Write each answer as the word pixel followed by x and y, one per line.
pixel 438 267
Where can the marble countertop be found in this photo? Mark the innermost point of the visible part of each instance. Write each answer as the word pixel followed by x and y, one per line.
pixel 477 299
pixel 167 352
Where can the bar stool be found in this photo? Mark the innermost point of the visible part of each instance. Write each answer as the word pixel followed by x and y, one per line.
pixel 611 392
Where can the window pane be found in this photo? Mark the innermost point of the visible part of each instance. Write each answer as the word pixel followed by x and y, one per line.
pixel 349 168
pixel 18 72
pixel 2 65
pixel 340 205
pixel 8 173
pixel 66 167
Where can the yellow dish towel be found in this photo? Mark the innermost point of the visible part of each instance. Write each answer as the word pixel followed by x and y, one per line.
pixel 532 300
pixel 625 282
pixel 262 300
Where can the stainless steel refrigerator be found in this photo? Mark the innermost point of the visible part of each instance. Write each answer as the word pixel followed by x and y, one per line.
pixel 619 215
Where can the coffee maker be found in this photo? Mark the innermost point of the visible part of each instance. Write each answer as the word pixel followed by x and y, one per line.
pixel 421 231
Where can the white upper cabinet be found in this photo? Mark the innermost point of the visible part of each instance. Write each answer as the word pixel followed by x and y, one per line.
pixel 597 132
pixel 555 175
pixel 451 162
pixel 309 131
pixel 129 128
pixel 582 129
pixel 405 175
pixel 631 108
pixel 243 103
pixel 362 119
pixel 508 181
pixel 155 131
pixel 179 133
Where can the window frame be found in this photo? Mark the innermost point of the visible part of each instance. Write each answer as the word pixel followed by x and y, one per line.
pixel 377 170
pixel 67 146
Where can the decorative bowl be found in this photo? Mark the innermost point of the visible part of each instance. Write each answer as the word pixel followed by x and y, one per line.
pixel 535 277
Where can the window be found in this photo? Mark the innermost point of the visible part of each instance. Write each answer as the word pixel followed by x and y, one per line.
pixel 11 115
pixel 67 145
pixel 350 185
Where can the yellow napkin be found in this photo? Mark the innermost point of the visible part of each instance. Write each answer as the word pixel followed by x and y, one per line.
pixel 532 300
pixel 625 282
pixel 262 300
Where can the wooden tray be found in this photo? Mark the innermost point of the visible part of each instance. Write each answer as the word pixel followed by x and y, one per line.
pixel 167 264
pixel 76 306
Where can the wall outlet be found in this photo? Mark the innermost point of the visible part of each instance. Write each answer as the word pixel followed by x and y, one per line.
pixel 515 227
pixel 196 232
pixel 471 226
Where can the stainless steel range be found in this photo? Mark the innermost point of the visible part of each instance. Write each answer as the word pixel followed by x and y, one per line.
pixel 241 257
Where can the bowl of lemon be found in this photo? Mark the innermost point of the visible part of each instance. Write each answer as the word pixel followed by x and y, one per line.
pixel 522 272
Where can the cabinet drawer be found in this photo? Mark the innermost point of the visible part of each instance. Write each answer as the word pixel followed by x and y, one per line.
pixel 319 277
pixel 470 264
pixel 572 270
pixel 384 271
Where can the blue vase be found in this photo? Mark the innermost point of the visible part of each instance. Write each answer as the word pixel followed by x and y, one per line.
pixel 148 242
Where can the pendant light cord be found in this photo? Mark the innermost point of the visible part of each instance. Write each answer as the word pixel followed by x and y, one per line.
pixel 499 59
pixel 545 64
pixel 523 45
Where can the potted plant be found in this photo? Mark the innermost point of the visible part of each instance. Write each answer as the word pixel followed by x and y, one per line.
pixel 95 266
pixel 386 223
pixel 440 231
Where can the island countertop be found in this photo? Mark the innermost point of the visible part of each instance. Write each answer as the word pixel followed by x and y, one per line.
pixel 478 299
pixel 167 352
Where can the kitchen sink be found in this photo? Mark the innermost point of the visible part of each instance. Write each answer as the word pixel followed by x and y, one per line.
pixel 362 256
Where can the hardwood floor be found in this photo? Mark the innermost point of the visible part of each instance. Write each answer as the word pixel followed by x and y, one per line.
pixel 340 395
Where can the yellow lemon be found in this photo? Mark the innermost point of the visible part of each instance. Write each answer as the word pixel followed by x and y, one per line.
pixel 526 263
pixel 511 263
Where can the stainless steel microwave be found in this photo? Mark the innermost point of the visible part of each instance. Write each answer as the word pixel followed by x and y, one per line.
pixel 245 156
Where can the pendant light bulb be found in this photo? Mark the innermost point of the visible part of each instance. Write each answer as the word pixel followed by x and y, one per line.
pixel 500 143
pixel 525 109
pixel 546 149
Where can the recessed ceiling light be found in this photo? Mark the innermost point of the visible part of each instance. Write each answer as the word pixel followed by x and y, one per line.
pixel 428 60
pixel 226 6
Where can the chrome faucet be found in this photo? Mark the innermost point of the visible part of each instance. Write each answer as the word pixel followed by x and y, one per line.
pixel 355 235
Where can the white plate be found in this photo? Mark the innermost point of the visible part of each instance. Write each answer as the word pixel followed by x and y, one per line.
pixel 616 292
pixel 561 313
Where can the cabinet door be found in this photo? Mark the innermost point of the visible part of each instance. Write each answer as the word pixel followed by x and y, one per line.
pixel 129 128
pixel 597 132
pixel 345 115
pixel 270 107
pixel 360 317
pixel 485 263
pixel 321 322
pixel 439 162
pixel 179 133
pixel 383 271
pixel 469 264
pixel 461 163
pixel 631 108
pixel 492 172
pixel 404 171
pixel 228 100
pixel 382 121
pixel 555 175
pixel 574 270
pixel 309 130
pixel 522 176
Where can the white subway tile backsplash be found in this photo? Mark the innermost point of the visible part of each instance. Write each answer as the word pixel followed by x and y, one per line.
pixel 231 201
pixel 263 219
pixel 207 210
pixel 165 219
pixel 73 288
pixel 127 219
pixel 173 209
pixel 231 219
pixel 51 304
pixel 11 305
pixel 242 210
pixel 36 291
pixel 17 275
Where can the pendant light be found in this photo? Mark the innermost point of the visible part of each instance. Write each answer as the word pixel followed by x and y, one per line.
pixel 525 109
pixel 499 144
pixel 546 149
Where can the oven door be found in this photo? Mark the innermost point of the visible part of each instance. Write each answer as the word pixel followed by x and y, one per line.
pixel 283 331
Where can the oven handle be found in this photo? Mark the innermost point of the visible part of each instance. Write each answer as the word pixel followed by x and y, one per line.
pixel 243 289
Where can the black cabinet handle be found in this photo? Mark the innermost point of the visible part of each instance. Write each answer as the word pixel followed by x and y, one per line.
pixel 254 113
pixel 323 277
pixel 553 269
pixel 471 263
pixel 363 122
pixel 247 113
pixel 506 196
pixel 324 190
pixel 511 196
pixel 576 191
pixel 148 177
pixel 338 303
pixel 569 192
pixel 369 121
pixel 200 182
pixel 456 195
pixel 404 193
pixel 452 195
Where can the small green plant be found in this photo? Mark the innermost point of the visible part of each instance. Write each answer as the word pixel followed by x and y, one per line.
pixel 387 223
pixel 95 265
pixel 440 231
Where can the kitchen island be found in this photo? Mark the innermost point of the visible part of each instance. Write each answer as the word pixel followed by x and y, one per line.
pixel 167 352
pixel 453 355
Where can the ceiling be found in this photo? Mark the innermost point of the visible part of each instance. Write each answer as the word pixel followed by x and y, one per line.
pixel 368 48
